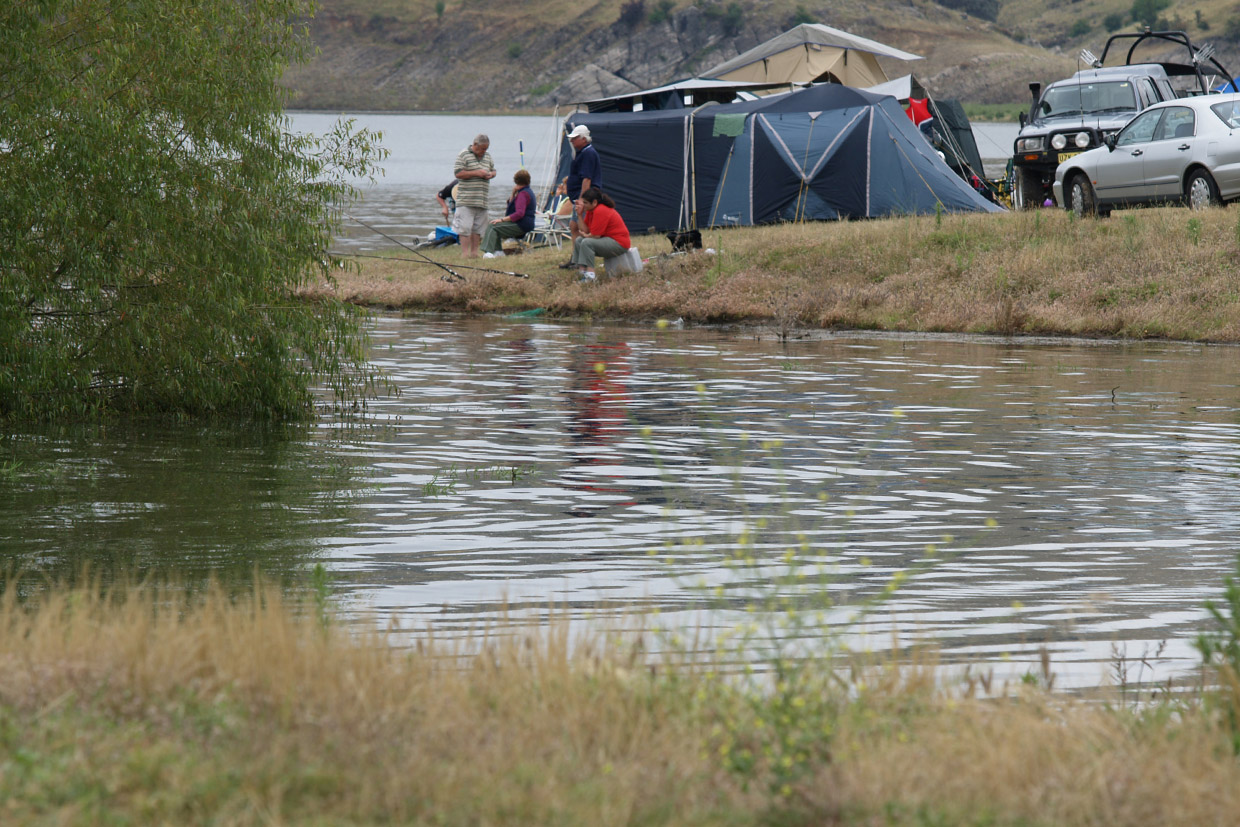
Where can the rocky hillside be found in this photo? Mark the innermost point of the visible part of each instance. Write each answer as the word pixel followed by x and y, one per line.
pixel 447 55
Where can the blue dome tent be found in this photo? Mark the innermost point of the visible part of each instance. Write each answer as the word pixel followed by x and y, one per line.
pixel 823 153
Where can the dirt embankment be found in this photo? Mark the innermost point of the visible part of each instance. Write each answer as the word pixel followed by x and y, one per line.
pixel 1158 273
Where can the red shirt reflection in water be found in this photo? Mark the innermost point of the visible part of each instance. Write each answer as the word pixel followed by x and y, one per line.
pixel 601 398
pixel 600 406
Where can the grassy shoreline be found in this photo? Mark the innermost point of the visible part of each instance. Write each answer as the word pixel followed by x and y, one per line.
pixel 1142 274
pixel 148 706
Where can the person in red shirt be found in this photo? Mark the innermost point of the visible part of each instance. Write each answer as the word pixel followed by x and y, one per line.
pixel 605 233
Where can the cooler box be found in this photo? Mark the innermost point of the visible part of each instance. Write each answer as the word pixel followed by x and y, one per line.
pixel 627 262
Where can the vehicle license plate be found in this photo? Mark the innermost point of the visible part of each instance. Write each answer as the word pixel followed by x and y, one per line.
pixel 1063 156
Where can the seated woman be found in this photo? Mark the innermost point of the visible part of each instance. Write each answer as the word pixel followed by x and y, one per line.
pixel 518 217
pixel 605 232
pixel 560 205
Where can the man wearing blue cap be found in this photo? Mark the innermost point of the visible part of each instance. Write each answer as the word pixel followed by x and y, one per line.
pixel 584 172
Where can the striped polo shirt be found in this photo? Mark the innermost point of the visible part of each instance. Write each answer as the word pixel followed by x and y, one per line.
pixel 472 192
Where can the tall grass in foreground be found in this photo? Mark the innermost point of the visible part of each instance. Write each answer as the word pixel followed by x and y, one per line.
pixel 143 705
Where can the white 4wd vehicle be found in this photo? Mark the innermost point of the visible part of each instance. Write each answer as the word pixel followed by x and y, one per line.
pixel 1073 115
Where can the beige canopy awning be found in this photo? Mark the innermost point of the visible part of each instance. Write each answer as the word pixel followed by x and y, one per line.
pixel 812 53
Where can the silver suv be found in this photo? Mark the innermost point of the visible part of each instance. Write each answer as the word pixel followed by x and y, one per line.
pixel 1073 115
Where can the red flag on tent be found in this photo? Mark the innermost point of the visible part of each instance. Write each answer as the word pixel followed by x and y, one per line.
pixel 918 109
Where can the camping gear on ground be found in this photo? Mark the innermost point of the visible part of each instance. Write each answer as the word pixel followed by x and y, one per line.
pixel 439 237
pixel 685 241
pixel 822 153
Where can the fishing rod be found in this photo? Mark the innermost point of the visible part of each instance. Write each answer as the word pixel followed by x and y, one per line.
pixel 455 275
pixel 427 259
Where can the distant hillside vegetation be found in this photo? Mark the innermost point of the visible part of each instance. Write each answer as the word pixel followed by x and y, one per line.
pixel 450 55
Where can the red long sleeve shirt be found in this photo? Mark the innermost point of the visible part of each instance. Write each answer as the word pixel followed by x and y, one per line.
pixel 605 222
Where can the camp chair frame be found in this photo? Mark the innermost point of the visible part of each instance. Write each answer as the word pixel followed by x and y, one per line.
pixel 552 234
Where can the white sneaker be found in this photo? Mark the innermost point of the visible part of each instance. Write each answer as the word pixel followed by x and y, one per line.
pixel 588 275
pixel 488 255
pixel 500 254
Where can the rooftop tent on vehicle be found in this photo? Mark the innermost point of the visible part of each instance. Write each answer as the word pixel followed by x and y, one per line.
pixel 679 94
pixel 812 53
pixel 823 153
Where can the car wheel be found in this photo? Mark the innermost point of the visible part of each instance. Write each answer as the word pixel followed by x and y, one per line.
pixel 1026 189
pixel 1200 191
pixel 1081 199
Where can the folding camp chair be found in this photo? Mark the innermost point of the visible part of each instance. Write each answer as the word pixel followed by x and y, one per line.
pixel 549 231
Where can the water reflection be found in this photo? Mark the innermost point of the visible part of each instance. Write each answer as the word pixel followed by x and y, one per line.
pixel 528 464
pixel 1106 468
pixel 188 501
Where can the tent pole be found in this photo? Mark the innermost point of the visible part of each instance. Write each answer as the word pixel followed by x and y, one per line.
pixel 552 165
pixel 951 141
pixel 692 174
pixel 803 195
pixel 715 210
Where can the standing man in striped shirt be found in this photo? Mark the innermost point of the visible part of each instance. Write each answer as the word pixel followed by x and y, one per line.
pixel 474 169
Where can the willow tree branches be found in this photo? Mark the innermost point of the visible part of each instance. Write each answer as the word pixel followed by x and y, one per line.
pixel 157 207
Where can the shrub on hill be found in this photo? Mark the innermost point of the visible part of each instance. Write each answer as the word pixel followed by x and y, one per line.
pixel 985 9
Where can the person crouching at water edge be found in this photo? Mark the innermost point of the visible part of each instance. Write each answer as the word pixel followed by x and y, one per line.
pixel 518 217
pixel 605 233
pixel 474 170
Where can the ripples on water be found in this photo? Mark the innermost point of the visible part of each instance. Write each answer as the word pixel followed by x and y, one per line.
pixel 525 465
pixel 1109 472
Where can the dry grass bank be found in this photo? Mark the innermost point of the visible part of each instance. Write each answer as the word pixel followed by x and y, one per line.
pixel 1160 273
pixel 148 708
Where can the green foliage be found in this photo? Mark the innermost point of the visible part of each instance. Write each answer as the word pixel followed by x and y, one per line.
pixel 730 17
pixel 514 50
pixel 440 7
pixel 994 112
pixel 1220 651
pixel 158 215
pixel 1231 29
pixel 985 9
pixel 1146 12
pixel 801 16
pixel 661 12
pixel 1080 28
pixel 1112 22
pixel 321 589
pixel 632 12
pixel 1194 230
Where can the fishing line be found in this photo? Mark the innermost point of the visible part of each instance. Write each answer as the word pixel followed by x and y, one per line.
pixel 455 275
pixel 342 254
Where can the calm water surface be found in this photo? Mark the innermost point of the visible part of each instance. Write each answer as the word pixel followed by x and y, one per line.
pixel 525 464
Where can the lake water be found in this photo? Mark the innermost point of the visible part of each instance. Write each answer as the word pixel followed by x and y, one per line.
pixel 422 149
pixel 608 470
